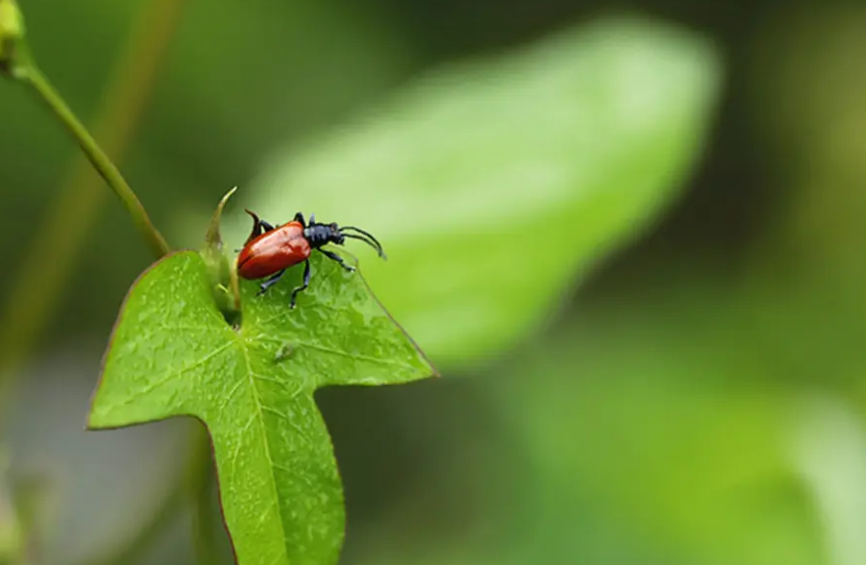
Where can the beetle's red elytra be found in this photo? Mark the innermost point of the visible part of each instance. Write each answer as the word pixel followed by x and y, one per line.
pixel 270 250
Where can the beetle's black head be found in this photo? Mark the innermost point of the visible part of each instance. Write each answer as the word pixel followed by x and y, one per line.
pixel 321 234
pixel 334 234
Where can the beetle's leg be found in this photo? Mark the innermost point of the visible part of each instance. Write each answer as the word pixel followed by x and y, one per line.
pixel 270 282
pixel 338 259
pixel 259 226
pixel 300 218
pixel 303 286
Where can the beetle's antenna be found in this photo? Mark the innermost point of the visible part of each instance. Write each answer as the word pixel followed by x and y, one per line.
pixel 374 244
pixel 362 232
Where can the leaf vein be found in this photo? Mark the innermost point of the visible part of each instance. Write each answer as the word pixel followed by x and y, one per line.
pixel 294 392
pixel 170 376
pixel 273 480
pixel 168 328
pixel 288 420
pixel 228 397
pixel 237 450
pixel 283 314
pixel 326 349
pixel 303 476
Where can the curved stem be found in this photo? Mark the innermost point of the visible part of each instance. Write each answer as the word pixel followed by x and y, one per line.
pixel 48 259
pixel 97 158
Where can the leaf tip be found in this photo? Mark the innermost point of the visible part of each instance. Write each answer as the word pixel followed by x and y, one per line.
pixel 433 370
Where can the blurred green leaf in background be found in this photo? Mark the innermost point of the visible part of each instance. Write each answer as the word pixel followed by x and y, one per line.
pixel 494 183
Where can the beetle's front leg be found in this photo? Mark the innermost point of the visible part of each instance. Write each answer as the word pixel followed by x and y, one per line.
pixel 338 259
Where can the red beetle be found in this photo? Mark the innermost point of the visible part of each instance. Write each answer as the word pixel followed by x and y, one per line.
pixel 270 250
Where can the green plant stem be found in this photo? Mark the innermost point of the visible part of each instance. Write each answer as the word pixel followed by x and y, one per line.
pixel 98 159
pixel 73 213
pixel 48 259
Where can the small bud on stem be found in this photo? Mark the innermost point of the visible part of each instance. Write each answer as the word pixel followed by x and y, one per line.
pixel 11 37
pixel 223 276
pixel 17 63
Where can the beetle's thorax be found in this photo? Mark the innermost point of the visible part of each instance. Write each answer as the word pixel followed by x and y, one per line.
pixel 322 234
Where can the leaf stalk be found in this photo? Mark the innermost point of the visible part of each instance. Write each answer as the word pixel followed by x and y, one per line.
pixel 33 77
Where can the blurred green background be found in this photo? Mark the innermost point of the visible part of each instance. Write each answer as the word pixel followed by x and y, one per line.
pixel 669 371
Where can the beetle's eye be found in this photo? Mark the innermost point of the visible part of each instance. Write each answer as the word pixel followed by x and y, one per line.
pixel 334 226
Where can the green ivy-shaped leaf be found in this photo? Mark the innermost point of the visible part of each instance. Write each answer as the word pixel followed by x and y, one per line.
pixel 173 354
